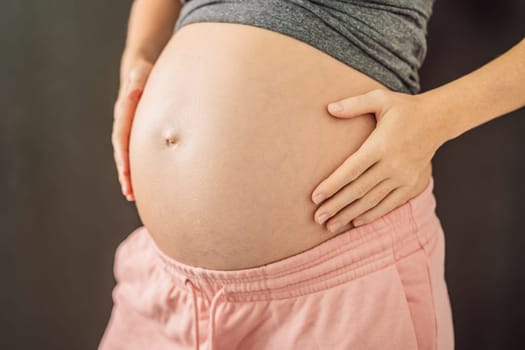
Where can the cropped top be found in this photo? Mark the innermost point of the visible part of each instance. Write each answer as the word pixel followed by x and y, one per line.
pixel 384 39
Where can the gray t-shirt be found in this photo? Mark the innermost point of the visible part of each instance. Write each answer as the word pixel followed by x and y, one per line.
pixel 384 39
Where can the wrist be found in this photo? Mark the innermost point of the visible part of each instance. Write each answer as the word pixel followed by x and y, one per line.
pixel 440 116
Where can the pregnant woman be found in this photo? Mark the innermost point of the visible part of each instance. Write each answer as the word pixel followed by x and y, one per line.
pixel 230 145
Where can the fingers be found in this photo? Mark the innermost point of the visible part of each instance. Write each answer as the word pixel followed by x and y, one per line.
pixel 120 155
pixel 381 200
pixel 393 200
pixel 366 156
pixel 137 78
pixel 370 200
pixel 124 113
pixel 371 102
pixel 350 193
pixel 124 178
pixel 382 194
pixel 398 197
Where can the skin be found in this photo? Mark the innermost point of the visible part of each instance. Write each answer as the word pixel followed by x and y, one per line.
pixel 224 153
pixel 149 29
pixel 387 170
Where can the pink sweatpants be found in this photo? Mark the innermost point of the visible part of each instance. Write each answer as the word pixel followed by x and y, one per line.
pixel 378 286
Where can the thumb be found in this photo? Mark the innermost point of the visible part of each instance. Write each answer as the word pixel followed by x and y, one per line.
pixel 371 102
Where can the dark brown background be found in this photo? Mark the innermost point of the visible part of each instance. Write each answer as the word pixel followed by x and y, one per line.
pixel 65 215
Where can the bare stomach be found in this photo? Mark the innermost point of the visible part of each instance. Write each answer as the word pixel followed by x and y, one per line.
pixel 230 138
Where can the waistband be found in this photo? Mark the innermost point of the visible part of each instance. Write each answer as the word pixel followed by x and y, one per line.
pixel 349 255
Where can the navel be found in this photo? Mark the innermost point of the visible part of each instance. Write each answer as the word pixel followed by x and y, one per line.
pixel 170 138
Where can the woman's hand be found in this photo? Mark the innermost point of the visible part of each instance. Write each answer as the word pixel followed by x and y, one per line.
pixel 392 166
pixel 133 78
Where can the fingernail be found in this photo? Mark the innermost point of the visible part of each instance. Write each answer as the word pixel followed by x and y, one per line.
pixel 322 218
pixel 334 226
pixel 335 107
pixel 318 198
pixel 358 222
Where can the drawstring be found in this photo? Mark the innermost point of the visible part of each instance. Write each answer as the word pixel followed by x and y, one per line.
pixel 196 313
pixel 211 326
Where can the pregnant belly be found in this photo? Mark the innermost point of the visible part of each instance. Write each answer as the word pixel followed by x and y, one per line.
pixel 230 138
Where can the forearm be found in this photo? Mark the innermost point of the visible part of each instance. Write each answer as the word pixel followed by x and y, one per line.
pixel 150 26
pixel 490 91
